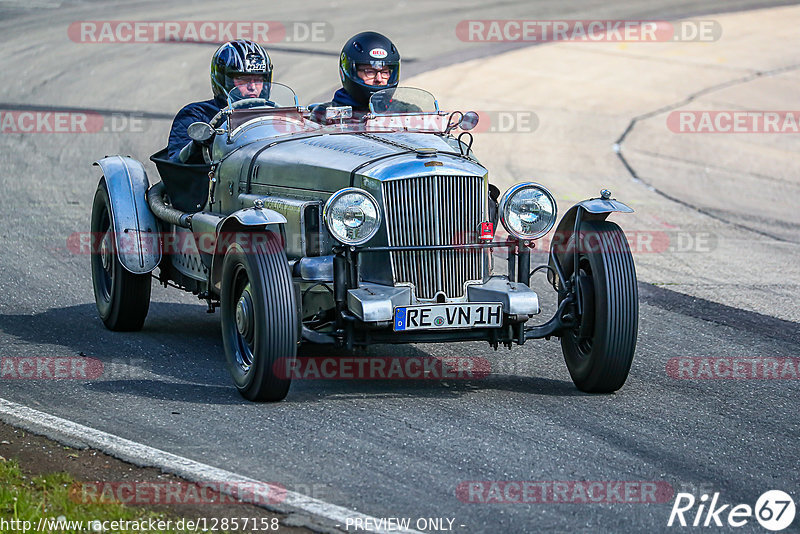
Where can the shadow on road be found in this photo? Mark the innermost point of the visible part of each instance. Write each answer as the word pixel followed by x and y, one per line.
pixel 304 391
pixel 169 391
pixel 178 356
pixel 178 340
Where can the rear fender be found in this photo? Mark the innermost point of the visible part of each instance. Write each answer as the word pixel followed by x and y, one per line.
pixel 238 227
pixel 135 227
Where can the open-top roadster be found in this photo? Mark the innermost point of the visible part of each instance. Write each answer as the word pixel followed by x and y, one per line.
pixel 356 233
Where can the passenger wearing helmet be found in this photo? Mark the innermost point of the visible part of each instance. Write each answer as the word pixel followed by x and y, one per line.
pixel 369 62
pixel 240 68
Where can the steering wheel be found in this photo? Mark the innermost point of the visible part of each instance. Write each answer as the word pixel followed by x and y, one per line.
pixel 216 120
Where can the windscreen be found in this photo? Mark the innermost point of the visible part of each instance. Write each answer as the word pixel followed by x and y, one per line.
pixel 403 100
pixel 250 95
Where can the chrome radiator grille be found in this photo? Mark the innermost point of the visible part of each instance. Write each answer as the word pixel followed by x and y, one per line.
pixel 435 210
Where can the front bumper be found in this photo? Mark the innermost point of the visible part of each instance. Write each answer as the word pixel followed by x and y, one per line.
pixel 372 303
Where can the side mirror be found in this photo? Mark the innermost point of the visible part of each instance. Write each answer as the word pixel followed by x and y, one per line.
pixel 469 121
pixel 200 132
pixel 340 113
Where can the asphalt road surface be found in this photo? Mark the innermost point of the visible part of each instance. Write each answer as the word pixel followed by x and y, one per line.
pixel 386 448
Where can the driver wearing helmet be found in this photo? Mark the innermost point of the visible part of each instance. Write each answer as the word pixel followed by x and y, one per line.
pixel 241 68
pixel 369 62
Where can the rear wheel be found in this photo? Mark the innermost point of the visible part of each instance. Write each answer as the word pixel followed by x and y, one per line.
pixel 122 298
pixel 259 318
pixel 599 349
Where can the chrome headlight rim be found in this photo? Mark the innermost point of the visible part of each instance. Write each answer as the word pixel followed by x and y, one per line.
pixel 509 194
pixel 327 214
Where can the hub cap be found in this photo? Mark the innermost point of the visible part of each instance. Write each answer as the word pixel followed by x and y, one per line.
pixel 244 315
pixel 244 318
pixel 105 251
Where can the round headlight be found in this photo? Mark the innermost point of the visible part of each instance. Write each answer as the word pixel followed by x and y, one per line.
pixel 352 216
pixel 528 211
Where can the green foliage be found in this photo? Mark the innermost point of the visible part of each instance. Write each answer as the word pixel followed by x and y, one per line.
pixel 25 498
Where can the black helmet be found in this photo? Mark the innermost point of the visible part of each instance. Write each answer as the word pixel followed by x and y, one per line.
pixel 236 58
pixel 372 50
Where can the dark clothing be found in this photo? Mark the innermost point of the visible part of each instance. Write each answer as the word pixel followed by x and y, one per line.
pixel 343 98
pixel 194 112
pixel 340 98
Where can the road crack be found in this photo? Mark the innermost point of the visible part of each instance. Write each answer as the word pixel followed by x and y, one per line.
pixel 670 107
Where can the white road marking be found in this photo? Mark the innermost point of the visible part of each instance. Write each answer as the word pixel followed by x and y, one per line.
pixel 143 455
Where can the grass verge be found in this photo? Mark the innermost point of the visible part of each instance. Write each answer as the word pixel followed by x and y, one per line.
pixel 53 502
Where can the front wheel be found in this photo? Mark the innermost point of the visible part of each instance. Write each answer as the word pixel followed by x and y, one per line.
pixel 122 298
pixel 259 318
pixel 599 349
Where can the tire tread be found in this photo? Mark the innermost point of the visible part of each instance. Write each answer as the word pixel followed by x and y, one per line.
pixel 616 315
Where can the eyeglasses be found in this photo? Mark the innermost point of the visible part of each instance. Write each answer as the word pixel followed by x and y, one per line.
pixel 247 80
pixel 372 73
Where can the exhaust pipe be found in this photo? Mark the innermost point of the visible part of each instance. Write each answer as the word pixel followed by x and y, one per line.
pixel 156 197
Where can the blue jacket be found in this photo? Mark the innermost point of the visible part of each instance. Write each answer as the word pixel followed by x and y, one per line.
pixel 194 112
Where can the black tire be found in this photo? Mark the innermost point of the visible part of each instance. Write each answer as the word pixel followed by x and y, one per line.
pixel 600 350
pixel 259 318
pixel 122 298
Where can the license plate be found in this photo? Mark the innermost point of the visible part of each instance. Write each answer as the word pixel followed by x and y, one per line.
pixel 446 316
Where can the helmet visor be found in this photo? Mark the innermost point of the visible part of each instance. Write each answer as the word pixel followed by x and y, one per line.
pixel 242 85
pixel 372 73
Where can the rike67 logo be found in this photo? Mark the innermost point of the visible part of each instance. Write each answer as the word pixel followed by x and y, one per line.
pixel 774 510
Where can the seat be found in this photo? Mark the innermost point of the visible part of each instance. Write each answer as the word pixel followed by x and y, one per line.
pixel 186 184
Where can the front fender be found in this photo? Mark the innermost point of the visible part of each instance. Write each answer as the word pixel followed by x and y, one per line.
pixel 127 185
pixel 593 209
pixel 243 221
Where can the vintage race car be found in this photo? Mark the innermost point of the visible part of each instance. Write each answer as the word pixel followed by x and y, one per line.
pixel 353 233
